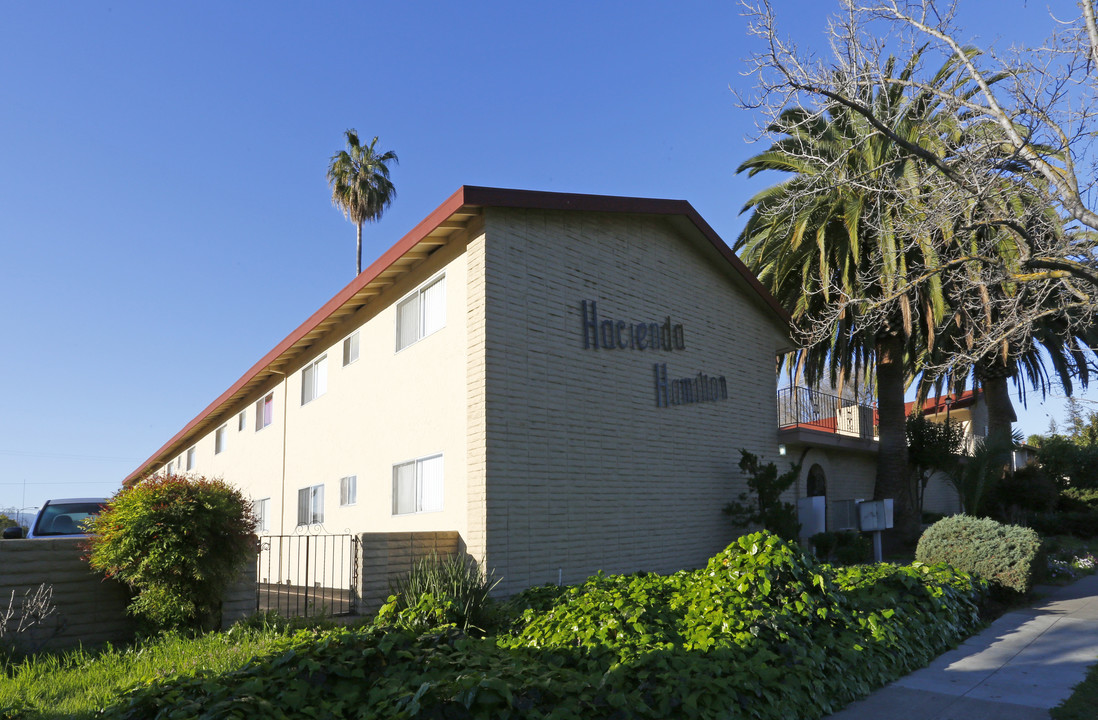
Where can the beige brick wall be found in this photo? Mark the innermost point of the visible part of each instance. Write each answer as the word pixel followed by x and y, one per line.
pixel 583 471
pixel 387 556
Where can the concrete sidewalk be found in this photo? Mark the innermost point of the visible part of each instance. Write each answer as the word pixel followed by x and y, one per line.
pixel 1019 667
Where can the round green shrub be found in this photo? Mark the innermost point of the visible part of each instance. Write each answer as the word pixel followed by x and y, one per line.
pixel 177 542
pixel 1006 555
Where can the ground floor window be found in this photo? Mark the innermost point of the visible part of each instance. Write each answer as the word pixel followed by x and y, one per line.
pixel 310 505
pixel 262 509
pixel 348 490
pixel 417 486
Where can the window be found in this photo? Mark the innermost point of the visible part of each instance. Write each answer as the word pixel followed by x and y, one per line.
pixel 348 490
pixel 417 486
pixel 310 505
pixel 242 420
pixel 264 411
pixel 350 349
pixel 421 313
pixel 190 459
pixel 314 379
pixel 262 509
pixel 219 439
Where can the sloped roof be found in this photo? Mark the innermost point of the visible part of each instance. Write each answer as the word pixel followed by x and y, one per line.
pixel 434 231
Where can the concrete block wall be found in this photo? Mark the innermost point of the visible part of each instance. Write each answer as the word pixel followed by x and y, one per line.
pixel 386 556
pixel 90 609
pixel 239 600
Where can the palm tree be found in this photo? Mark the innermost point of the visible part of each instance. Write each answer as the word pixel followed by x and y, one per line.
pixel 359 177
pixel 833 234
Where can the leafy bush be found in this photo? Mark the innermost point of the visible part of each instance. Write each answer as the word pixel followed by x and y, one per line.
pixel 782 636
pixel 1025 491
pixel 1080 524
pixel 178 542
pixel 450 590
pixel 767 509
pixel 845 547
pixel 1006 555
pixel 1079 499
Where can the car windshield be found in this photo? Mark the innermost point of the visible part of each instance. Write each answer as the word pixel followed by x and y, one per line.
pixel 64 518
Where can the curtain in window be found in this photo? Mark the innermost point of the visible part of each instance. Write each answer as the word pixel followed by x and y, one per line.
pixel 430 484
pixel 407 322
pixel 404 488
pixel 350 349
pixel 434 307
pixel 304 511
pixel 348 490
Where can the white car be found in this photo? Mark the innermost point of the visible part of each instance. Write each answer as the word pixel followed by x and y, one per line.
pixel 61 518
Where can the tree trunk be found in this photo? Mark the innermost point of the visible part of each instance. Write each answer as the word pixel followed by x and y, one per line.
pixel 358 253
pixel 893 473
pixel 1000 410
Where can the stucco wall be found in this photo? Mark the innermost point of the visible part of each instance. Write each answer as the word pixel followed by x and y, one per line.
pixel 583 470
pixel 386 408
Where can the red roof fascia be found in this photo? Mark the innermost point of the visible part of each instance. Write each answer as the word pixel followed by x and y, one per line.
pixel 938 405
pixel 483 197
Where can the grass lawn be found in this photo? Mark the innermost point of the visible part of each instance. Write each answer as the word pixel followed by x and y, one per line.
pixel 75 684
pixel 1083 701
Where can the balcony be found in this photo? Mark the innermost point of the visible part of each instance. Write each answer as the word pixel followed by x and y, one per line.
pixel 812 417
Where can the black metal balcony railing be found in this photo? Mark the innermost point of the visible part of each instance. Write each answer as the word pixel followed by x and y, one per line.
pixel 801 407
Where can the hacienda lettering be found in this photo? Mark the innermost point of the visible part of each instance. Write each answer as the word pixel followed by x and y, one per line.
pixel 610 334
pixel 621 335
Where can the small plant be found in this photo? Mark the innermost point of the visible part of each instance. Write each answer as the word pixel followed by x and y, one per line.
pixel 932 447
pixel 34 607
pixel 767 510
pixel 178 542
pixel 440 591
pixel 1006 555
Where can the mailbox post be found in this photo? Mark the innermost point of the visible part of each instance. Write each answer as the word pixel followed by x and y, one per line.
pixel 875 517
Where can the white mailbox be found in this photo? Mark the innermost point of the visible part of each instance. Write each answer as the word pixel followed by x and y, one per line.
pixel 875 515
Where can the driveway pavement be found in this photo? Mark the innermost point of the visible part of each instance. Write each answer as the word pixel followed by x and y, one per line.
pixel 1019 667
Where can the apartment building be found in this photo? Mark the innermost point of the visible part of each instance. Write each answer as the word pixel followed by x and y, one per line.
pixel 564 380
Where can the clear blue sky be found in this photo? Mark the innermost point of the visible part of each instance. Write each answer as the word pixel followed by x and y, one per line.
pixel 164 215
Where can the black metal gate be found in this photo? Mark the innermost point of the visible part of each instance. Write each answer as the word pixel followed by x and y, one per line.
pixel 307 575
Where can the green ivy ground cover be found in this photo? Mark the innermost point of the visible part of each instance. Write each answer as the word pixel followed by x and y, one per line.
pixel 761 632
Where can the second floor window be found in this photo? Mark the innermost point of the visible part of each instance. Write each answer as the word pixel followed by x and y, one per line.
pixel 314 379
pixel 421 313
pixel 264 411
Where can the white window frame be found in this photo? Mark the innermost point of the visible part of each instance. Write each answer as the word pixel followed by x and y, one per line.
pixel 314 379
pixel 427 485
pixel 427 318
pixel 219 439
pixel 190 459
pixel 242 421
pixel 262 510
pixel 261 419
pixel 350 348
pixel 348 490
pixel 310 505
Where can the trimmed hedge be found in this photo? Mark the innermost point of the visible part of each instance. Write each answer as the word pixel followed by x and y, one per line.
pixel 762 632
pixel 1008 556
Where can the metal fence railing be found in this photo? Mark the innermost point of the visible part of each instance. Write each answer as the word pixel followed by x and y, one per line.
pixel 307 575
pixel 801 407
